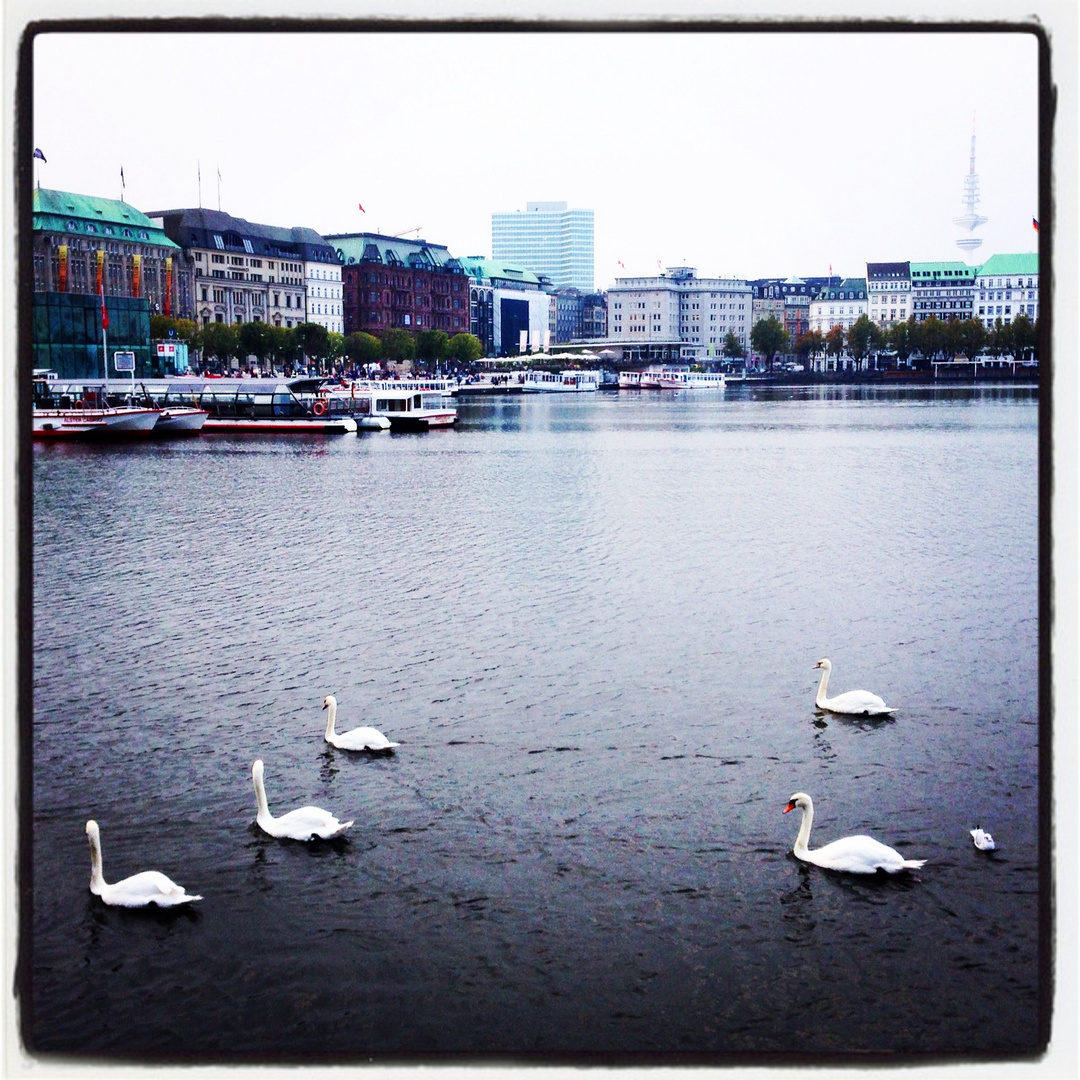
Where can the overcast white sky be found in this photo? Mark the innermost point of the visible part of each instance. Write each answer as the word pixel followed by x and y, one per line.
pixel 741 154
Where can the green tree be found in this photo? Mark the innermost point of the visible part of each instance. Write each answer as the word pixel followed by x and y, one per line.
pixel 219 343
pixel 901 340
pixel 431 345
pixel 973 337
pixel 398 345
pixel 182 329
pixel 254 339
pixel 1024 337
pixel 834 343
pixel 864 338
pixel 335 346
pixel 809 344
pixel 732 348
pixel 933 340
pixel 362 348
pixel 282 346
pixel 313 341
pixel 769 338
pixel 999 339
pixel 464 348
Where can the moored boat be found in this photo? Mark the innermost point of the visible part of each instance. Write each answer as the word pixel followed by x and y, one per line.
pixel 559 382
pixel 83 411
pixel 399 406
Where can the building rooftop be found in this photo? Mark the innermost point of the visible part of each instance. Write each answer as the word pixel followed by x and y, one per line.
pixel 941 269
pixel 66 212
pixel 894 270
pixel 198 227
pixel 392 251
pixel 500 272
pixel 848 289
pixel 1027 263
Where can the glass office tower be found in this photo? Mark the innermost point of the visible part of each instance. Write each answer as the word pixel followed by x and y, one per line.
pixel 549 239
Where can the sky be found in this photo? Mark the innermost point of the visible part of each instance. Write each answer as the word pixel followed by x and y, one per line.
pixel 741 154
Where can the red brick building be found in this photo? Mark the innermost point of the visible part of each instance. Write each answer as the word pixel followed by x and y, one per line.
pixel 410 284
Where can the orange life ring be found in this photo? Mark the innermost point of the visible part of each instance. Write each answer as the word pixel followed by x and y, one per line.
pixel 78 403
pixel 319 408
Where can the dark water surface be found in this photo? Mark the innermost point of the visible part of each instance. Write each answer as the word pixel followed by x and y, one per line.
pixel 591 623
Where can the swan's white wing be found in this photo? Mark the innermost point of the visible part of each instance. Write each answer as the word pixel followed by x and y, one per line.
pixel 364 738
pixel 307 822
pixel 858 702
pixel 149 887
pixel 861 855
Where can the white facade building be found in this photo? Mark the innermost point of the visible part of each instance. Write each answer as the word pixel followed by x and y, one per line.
pixel 679 308
pixel 838 305
pixel 888 288
pixel 1007 286
pixel 323 295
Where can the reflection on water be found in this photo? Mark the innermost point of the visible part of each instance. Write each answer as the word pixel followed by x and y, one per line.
pixel 591 622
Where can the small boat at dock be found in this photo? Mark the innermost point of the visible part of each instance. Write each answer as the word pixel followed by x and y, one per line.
pixel 83 410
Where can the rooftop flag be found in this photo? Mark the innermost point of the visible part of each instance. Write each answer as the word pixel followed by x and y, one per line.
pixel 39 154
pixel 1035 224
pixel 362 210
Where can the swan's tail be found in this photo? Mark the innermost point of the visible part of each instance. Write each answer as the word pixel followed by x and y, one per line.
pixel 912 864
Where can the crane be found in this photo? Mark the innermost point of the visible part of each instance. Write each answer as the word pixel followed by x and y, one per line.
pixel 404 232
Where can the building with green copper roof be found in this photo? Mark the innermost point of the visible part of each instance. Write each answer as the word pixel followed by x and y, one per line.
pixel 1011 265
pixel 1007 286
pixel 88 252
pixel 942 290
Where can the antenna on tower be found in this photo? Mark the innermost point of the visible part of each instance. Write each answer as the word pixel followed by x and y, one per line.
pixel 970 221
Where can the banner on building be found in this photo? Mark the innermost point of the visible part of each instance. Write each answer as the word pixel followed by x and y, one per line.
pixel 61 281
pixel 98 285
pixel 168 285
pixel 136 274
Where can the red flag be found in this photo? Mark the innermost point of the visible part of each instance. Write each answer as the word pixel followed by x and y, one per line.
pixel 1035 224
pixel 362 210
pixel 104 311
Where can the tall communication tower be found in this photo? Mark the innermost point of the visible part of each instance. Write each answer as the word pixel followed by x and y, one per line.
pixel 970 221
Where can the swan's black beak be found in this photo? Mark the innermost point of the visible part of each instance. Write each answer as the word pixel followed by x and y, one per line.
pixel 324 704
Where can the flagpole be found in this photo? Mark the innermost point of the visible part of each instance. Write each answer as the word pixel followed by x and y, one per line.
pixel 104 336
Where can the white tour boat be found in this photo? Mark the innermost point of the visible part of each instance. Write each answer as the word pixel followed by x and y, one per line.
pixel 81 410
pixel 559 382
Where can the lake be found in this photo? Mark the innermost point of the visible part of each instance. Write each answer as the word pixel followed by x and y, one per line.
pixel 591 621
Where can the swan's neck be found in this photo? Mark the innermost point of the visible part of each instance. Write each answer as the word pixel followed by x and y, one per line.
pixel 260 799
pixel 823 686
pixel 331 717
pixel 97 878
pixel 802 841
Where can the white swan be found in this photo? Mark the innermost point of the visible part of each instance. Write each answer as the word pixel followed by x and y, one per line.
pixel 854 854
pixel 361 738
pixel 983 840
pixel 853 703
pixel 139 890
pixel 307 823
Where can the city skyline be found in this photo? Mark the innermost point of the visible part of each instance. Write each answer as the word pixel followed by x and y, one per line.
pixel 805 152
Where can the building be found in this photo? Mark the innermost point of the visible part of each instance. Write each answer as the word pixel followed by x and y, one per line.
pixel 677 315
pixel 88 252
pixel 244 272
pixel 1007 286
pixel 548 239
pixel 409 284
pixel 838 305
pixel 945 290
pixel 508 301
pixel 788 301
pixel 888 288
pixel 577 316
